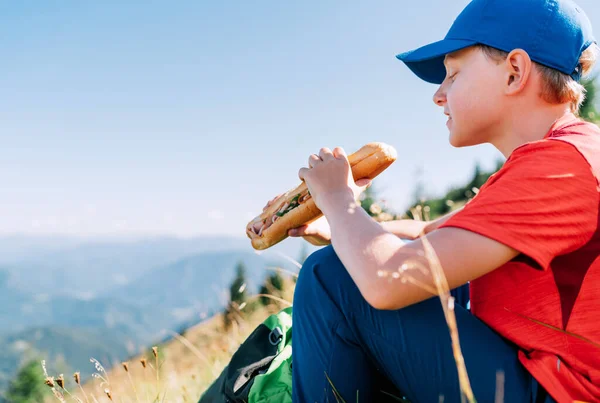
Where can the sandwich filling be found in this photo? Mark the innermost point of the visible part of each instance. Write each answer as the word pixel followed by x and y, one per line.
pixel 258 226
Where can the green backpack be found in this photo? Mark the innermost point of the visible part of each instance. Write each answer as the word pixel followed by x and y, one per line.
pixel 260 371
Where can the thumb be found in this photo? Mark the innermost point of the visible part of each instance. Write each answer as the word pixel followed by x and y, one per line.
pixel 363 184
pixel 297 231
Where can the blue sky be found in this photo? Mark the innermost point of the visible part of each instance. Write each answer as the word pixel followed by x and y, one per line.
pixel 184 118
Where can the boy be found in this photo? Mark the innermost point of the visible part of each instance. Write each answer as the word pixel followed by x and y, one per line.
pixel 528 243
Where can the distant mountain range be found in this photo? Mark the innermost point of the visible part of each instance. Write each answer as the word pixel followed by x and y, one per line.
pixel 90 268
pixel 71 298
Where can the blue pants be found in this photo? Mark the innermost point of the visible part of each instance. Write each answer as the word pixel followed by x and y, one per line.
pixel 338 335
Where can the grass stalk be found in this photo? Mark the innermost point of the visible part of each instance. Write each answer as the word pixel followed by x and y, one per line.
pixel 335 392
pixel 155 353
pixel 126 368
pixel 194 350
pixel 443 290
pixel 283 301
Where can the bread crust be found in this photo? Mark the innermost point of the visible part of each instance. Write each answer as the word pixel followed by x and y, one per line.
pixel 297 208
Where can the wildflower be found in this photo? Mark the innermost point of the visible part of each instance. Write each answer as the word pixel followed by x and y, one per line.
pixel 61 381
pixel 49 381
pixel 97 364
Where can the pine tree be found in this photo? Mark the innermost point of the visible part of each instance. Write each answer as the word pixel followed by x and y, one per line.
pixel 436 207
pixel 28 385
pixel 238 296
pixel 238 292
pixel 273 285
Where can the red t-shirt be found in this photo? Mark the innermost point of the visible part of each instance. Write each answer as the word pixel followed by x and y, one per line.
pixel 545 203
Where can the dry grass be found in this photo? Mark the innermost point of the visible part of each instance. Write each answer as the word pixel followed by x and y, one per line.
pixel 177 371
pixel 184 367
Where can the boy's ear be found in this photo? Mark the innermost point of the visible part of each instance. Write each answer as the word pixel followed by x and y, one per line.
pixel 518 66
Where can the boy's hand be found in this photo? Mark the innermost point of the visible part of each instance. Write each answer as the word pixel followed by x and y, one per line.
pixel 317 232
pixel 329 175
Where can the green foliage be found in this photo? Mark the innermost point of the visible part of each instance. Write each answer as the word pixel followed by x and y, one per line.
pixel 276 280
pixel 273 285
pixel 368 198
pixel 588 110
pixel 28 385
pixel 64 348
pixel 238 296
pixel 456 196
pixel 371 202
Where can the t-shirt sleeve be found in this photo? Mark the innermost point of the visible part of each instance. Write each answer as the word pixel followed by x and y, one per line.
pixel 543 202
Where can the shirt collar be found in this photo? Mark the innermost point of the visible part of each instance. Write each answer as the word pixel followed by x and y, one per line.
pixel 561 122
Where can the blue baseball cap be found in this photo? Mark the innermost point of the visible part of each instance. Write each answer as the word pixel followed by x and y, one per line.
pixel 553 32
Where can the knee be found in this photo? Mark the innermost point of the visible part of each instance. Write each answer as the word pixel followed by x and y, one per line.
pixel 324 253
pixel 325 258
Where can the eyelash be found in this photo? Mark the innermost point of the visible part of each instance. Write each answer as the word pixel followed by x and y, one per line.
pixel 452 77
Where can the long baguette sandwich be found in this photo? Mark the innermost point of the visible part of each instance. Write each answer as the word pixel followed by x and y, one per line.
pixel 296 207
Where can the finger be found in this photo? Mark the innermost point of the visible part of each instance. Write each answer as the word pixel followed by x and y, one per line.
pixel 326 154
pixel 339 152
pixel 313 160
pixel 302 173
pixel 364 183
pixel 297 231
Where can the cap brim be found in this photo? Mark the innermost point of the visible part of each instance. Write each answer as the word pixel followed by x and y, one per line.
pixel 427 62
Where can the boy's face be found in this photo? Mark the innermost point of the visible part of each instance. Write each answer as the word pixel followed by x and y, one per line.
pixel 471 96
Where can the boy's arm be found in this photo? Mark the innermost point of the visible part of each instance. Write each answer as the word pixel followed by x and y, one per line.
pixel 411 229
pixel 375 257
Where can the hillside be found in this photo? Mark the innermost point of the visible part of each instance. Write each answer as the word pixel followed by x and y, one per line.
pixel 126 320
pixel 66 346
pixel 188 363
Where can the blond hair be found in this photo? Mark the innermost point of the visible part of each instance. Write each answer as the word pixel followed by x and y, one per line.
pixel 557 87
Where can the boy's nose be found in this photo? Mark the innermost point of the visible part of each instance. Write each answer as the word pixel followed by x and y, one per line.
pixel 439 98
